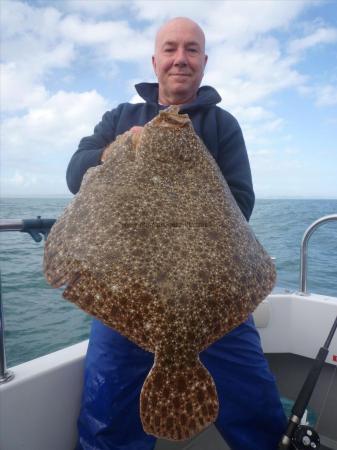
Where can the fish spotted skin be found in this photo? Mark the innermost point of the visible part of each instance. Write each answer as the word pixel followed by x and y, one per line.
pixel 155 246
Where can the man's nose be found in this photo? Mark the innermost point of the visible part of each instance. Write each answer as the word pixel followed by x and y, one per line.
pixel 180 58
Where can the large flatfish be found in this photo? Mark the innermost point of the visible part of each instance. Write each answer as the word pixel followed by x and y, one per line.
pixel 155 246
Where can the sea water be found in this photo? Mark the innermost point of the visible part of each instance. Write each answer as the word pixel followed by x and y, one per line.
pixel 39 321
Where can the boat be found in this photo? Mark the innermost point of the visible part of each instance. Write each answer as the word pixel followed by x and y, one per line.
pixel 40 399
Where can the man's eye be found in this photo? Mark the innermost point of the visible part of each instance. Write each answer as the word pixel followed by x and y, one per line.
pixel 169 49
pixel 192 50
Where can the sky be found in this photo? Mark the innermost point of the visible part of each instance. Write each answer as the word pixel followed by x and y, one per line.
pixel 274 63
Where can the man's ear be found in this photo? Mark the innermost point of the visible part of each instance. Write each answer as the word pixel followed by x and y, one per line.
pixel 154 64
pixel 206 59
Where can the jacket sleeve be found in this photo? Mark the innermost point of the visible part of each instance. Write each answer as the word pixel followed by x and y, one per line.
pixel 234 164
pixel 90 150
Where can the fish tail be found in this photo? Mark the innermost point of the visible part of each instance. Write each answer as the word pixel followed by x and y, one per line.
pixel 176 404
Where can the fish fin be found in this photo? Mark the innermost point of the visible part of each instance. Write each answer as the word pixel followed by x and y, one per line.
pixel 177 403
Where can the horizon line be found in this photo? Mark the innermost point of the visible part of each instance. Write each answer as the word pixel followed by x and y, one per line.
pixel 262 197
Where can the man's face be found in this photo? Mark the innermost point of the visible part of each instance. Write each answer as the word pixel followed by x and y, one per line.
pixel 179 61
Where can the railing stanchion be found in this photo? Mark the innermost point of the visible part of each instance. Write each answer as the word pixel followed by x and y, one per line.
pixel 36 228
pixel 304 250
pixel 5 375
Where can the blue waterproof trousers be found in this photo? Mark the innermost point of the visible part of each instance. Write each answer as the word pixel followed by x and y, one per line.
pixel 250 416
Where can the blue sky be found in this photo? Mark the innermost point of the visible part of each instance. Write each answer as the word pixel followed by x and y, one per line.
pixel 274 63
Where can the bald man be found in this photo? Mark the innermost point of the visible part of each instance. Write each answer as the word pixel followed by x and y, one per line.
pixel 250 416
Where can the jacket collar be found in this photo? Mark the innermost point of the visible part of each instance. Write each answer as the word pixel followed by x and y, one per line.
pixel 206 96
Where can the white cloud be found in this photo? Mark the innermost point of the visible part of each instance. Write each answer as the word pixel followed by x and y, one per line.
pixel 19 89
pixel 34 183
pixel 251 74
pixel 46 39
pixel 23 180
pixel 93 7
pixel 115 40
pixel 37 56
pixel 136 99
pixel 275 173
pixel 19 18
pixel 252 113
pixel 58 122
pixel 42 141
pixel 31 50
pixel 241 22
pixel 319 36
pixel 47 42
pixel 236 21
pixel 31 38
pixel 259 126
pixel 89 32
pixel 326 95
pixel 17 179
pixel 323 95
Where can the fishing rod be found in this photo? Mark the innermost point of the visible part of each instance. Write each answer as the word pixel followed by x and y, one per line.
pixel 297 436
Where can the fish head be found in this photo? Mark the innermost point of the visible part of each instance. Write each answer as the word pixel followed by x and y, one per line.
pixel 169 138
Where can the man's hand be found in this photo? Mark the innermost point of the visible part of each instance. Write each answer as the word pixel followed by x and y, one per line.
pixel 135 130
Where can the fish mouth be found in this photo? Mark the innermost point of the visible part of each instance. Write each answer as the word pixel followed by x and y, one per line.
pixel 170 118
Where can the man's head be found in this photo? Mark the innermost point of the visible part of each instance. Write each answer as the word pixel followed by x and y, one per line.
pixel 179 60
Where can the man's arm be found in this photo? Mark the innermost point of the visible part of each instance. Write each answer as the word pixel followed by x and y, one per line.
pixel 90 150
pixel 234 164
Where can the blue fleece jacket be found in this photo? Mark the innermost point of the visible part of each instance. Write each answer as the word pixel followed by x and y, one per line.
pixel 218 129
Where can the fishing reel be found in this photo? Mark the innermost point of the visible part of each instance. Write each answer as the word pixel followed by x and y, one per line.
pixel 301 437
pixel 305 438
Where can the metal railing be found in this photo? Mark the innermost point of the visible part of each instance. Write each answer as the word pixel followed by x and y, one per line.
pixel 304 249
pixel 37 228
